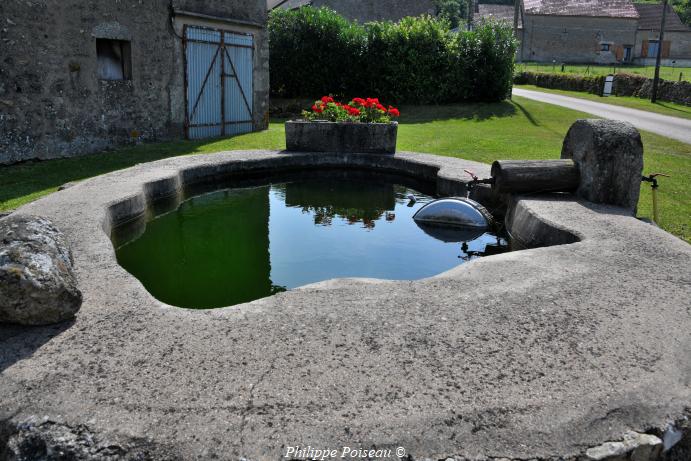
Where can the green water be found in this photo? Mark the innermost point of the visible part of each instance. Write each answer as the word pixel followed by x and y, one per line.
pixel 240 244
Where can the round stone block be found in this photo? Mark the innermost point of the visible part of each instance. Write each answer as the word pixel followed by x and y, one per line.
pixel 609 155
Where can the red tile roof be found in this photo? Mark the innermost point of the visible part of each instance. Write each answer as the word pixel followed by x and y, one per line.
pixel 594 8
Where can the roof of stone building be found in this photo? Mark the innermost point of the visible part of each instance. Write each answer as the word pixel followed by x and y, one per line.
pixel 498 12
pixel 288 4
pixel 651 17
pixel 593 8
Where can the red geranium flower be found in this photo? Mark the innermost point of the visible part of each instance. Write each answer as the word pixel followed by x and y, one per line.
pixel 371 102
pixel 368 110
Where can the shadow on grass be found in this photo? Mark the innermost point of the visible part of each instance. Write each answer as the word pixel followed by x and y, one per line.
pixel 26 181
pixel 33 176
pixel 674 107
pixel 527 114
pixel 469 111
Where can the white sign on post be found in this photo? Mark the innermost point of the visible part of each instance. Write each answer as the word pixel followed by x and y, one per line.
pixel 609 82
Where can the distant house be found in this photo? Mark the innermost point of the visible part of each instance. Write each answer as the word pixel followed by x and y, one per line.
pixel 365 10
pixel 594 31
pixel 676 45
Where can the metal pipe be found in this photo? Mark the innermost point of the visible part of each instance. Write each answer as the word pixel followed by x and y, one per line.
pixel 654 186
pixel 660 43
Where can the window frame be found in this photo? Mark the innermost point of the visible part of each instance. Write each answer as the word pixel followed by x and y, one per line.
pixel 628 53
pixel 119 48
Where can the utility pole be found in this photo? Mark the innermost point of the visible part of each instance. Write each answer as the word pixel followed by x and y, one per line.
pixel 471 14
pixel 516 11
pixel 656 80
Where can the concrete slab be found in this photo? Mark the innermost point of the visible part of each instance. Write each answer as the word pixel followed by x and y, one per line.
pixel 542 353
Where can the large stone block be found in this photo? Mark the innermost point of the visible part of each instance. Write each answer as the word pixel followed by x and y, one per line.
pixel 609 155
pixel 373 138
pixel 37 284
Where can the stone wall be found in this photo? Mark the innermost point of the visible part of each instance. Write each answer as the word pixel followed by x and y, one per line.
pixel 642 87
pixel 378 10
pixel 568 82
pixel 52 102
pixel 575 39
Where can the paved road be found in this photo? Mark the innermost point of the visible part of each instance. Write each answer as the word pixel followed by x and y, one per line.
pixel 671 127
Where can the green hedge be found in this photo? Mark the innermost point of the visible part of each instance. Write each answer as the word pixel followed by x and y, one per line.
pixel 417 60
pixel 624 85
pixel 569 82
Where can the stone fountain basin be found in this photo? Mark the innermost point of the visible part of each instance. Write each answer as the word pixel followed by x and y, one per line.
pixel 539 353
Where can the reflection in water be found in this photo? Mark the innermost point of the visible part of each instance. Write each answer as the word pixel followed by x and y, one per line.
pixel 350 202
pixel 237 245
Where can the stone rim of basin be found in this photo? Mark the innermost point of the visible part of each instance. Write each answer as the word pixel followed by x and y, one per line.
pixel 565 346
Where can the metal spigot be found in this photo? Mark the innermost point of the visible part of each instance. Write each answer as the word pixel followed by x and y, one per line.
pixel 475 181
pixel 652 178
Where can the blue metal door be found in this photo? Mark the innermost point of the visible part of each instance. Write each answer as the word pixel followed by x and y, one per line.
pixel 219 76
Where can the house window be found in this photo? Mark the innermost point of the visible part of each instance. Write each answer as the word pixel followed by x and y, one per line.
pixel 114 59
pixel 628 50
pixel 604 46
pixel 653 46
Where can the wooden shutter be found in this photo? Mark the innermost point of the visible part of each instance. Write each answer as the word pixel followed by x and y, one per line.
pixel 619 52
pixel 665 48
pixel 644 49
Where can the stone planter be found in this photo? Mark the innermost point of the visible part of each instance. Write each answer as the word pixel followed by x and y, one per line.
pixel 372 138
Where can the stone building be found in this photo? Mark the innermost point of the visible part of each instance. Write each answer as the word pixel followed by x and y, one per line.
pixel 676 44
pixel 584 31
pixel 77 77
pixel 365 10
pixel 594 31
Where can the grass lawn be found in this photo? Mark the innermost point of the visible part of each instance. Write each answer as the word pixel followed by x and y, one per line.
pixel 666 72
pixel 660 107
pixel 520 129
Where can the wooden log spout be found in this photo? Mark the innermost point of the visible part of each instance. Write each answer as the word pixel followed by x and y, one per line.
pixel 533 176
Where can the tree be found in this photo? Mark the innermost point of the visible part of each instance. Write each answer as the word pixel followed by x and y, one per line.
pixel 454 11
pixel 683 9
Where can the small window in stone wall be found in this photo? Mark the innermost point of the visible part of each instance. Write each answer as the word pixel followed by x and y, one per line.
pixel 628 53
pixel 114 59
pixel 605 47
